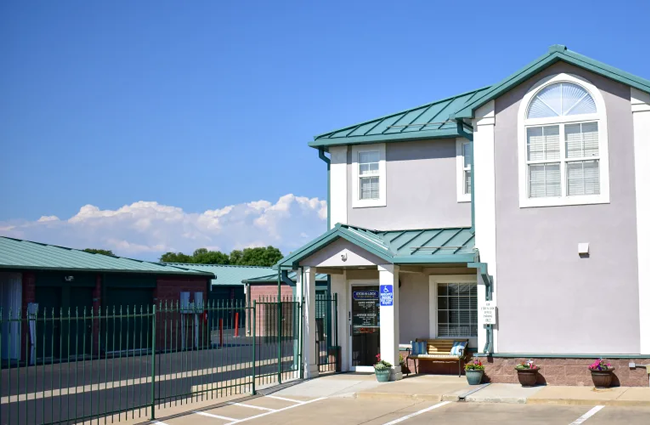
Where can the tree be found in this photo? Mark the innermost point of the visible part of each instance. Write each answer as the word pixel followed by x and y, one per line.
pixel 100 251
pixel 248 257
pixel 203 256
pixel 175 257
pixel 236 256
pixel 260 256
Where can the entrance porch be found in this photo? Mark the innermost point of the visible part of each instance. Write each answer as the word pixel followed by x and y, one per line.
pixel 393 288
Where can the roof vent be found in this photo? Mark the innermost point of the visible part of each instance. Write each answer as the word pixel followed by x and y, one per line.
pixel 557 48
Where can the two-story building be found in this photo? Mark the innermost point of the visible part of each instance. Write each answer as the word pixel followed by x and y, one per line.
pixel 526 195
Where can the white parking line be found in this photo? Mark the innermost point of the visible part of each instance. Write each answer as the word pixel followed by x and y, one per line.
pixel 158 423
pixel 587 415
pixel 419 412
pixel 210 415
pixel 285 399
pixel 251 406
pixel 275 411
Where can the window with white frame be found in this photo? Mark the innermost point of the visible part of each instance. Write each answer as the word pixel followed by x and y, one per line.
pixel 464 169
pixel 369 176
pixel 457 310
pixel 564 144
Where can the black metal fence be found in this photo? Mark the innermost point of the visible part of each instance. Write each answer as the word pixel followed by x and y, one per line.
pixel 327 346
pixel 127 362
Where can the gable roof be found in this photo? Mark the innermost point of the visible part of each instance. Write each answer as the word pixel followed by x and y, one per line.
pixel 555 54
pixel 430 121
pixel 27 255
pixel 426 246
pixel 229 275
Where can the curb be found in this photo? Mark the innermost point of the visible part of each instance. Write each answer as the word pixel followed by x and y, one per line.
pixel 502 400
pixel 396 396
pixel 586 402
pixel 436 398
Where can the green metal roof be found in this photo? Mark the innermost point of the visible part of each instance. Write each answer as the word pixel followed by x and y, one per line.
pixel 230 275
pixel 426 246
pixel 430 121
pixel 555 54
pixel 437 120
pixel 273 278
pixel 27 255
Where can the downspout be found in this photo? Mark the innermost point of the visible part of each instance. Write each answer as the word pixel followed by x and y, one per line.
pixel 321 155
pixel 470 137
pixel 487 280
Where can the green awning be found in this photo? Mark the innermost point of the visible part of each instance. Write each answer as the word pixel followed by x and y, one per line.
pixel 426 246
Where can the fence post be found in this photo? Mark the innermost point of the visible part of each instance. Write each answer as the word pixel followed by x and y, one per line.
pixel 336 320
pixel 254 340
pixel 279 340
pixel 153 365
pixel 301 302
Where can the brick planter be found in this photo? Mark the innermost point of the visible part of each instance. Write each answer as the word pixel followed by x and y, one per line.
pixel 566 371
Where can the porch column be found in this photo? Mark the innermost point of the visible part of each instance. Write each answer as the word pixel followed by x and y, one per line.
pixel 389 318
pixel 340 288
pixel 306 287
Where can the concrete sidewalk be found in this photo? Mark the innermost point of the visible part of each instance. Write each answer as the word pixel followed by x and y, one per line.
pixel 435 388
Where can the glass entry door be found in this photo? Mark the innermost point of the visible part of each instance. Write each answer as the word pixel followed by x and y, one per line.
pixel 365 325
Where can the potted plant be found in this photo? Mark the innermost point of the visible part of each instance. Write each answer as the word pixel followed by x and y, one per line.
pixel 527 373
pixel 404 365
pixel 474 372
pixel 382 369
pixel 601 373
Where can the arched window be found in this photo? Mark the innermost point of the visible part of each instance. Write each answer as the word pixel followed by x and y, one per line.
pixel 563 144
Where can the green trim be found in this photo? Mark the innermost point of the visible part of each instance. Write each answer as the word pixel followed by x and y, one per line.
pixel 379 244
pixel 445 133
pixel 469 136
pixel 566 356
pixel 92 270
pixel 434 259
pixel 555 54
pixel 321 155
pixel 326 239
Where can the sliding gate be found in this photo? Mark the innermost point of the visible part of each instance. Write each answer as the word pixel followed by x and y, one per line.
pixel 129 362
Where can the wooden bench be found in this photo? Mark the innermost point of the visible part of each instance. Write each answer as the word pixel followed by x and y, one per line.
pixel 440 350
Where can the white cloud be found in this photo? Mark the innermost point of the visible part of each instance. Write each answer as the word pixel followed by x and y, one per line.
pixel 147 229
pixel 48 218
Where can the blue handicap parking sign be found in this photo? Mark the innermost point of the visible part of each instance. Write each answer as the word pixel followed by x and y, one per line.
pixel 386 295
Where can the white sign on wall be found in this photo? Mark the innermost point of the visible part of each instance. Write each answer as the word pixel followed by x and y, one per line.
pixel 489 313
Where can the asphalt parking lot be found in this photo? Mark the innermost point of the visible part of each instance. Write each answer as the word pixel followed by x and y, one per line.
pixel 278 410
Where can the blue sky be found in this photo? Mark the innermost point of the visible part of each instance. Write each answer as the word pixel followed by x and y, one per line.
pixel 207 104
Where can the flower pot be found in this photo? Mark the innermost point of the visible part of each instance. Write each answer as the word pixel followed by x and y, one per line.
pixel 527 377
pixel 602 378
pixel 474 377
pixel 382 375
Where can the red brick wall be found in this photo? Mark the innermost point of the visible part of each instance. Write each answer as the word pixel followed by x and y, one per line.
pixel 565 371
pixel 259 292
pixel 267 315
pixel 169 288
pixel 168 292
